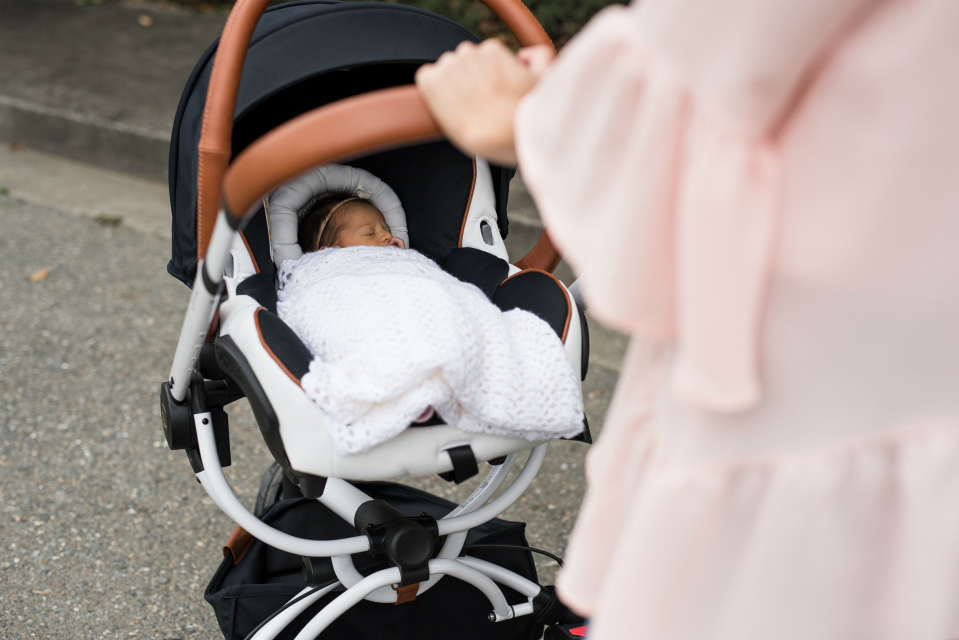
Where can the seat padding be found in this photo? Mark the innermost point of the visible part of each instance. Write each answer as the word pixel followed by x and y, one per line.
pixel 532 290
pixel 305 442
pixel 539 293
pixel 285 346
pixel 477 267
pixel 259 287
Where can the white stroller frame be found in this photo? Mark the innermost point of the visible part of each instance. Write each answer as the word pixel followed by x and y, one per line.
pixel 393 117
pixel 344 499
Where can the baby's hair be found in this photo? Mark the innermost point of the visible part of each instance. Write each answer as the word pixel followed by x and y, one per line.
pixel 312 216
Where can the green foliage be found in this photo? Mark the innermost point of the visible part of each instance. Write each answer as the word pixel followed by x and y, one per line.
pixel 561 18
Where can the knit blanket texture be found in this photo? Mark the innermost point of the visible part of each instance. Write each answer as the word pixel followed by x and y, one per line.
pixel 392 334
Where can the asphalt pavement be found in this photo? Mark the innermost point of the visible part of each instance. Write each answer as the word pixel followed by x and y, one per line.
pixel 98 80
pixel 104 532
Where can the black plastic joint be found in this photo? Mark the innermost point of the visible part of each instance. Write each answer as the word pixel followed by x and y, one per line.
pixel 414 576
pixel 220 393
pixel 374 512
pixel 314 571
pixel 178 426
pixel 311 486
pixel 177 419
pixel 206 363
pixel 407 543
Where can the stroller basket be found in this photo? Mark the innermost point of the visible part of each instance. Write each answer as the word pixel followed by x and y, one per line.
pixel 245 593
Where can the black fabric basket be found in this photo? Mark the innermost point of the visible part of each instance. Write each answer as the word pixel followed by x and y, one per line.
pixel 244 594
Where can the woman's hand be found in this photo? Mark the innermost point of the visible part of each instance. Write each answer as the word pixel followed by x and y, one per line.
pixel 473 93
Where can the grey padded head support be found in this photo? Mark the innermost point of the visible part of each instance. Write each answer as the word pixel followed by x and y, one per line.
pixel 286 202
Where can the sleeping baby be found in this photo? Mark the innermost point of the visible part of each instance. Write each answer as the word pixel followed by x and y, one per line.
pixel 395 339
pixel 341 219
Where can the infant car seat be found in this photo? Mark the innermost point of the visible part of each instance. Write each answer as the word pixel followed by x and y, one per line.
pixel 252 136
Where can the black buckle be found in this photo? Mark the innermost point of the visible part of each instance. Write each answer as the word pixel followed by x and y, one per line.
pixel 464 464
pixel 408 543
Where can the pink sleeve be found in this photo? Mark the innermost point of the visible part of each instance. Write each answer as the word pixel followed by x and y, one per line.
pixel 649 148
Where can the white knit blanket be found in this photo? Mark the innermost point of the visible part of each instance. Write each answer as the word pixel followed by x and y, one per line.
pixel 392 334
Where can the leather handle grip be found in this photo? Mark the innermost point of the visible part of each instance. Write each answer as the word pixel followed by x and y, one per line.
pixel 213 151
pixel 391 117
pixel 520 21
pixel 354 126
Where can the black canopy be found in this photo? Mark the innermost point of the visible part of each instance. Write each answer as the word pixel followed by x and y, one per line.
pixel 306 54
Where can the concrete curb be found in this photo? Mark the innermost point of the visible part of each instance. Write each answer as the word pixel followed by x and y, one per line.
pixel 115 146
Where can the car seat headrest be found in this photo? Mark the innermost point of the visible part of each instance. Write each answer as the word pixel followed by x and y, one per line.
pixel 287 202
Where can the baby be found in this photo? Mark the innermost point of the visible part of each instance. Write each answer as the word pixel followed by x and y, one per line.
pixel 340 219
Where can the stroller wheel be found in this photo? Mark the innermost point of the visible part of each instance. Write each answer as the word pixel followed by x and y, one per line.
pixel 274 487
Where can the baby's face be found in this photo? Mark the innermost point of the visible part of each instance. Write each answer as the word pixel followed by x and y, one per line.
pixel 364 226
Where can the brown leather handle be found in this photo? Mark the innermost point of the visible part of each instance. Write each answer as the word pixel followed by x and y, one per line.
pixel 362 124
pixel 354 126
pixel 520 21
pixel 213 151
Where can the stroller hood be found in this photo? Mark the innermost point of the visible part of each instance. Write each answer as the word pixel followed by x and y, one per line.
pixel 306 54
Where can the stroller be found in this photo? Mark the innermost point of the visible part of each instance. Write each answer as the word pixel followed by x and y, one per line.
pixel 330 543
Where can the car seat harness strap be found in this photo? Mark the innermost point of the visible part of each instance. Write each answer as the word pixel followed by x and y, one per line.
pixel 464 464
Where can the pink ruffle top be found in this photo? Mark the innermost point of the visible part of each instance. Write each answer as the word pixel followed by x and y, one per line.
pixel 765 195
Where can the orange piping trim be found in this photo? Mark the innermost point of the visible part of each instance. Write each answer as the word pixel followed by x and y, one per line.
pixel 250 251
pixel 256 318
pixel 569 306
pixel 468 203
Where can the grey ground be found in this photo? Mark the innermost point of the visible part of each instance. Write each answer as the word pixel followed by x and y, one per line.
pixel 103 531
pixel 96 59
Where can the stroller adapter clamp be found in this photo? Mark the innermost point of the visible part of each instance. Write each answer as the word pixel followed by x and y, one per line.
pixel 407 542
pixel 203 396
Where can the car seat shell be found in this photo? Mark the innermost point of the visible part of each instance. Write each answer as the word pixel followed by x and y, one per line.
pixel 417 451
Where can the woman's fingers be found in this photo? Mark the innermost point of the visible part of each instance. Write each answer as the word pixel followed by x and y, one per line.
pixel 473 92
pixel 537 58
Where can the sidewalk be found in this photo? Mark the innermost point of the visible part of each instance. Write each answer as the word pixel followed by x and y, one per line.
pixel 105 531
pixel 91 84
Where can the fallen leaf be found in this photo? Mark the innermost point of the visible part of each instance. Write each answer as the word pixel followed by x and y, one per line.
pixel 15 146
pixel 108 221
pixel 145 21
pixel 39 275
